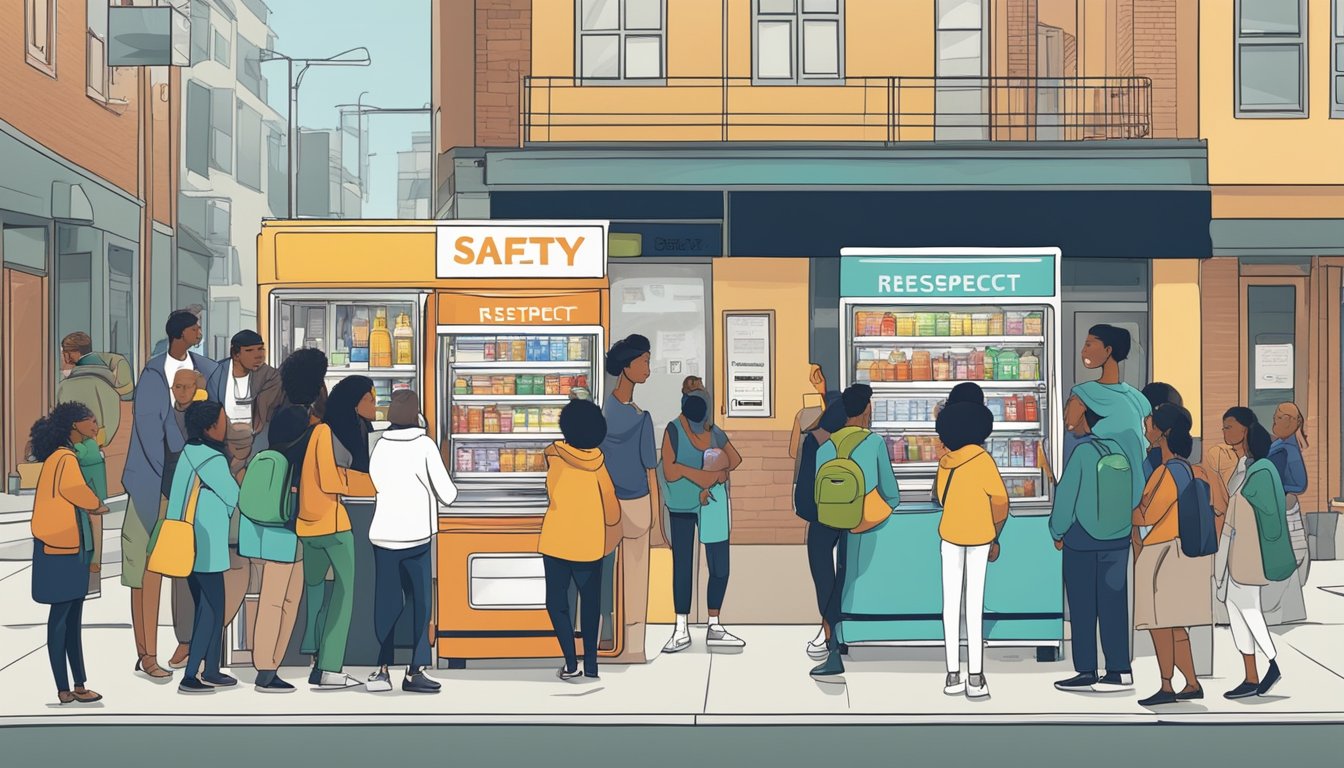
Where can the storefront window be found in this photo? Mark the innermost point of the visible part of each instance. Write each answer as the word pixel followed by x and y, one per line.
pixel 120 301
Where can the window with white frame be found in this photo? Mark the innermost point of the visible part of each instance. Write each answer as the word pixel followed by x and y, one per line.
pixel 621 39
pixel 39 34
pixel 798 41
pixel 221 129
pixel 1271 58
pixel 1337 61
pixel 961 92
pixel 99 75
pixel 200 32
pixel 250 157
pixel 222 52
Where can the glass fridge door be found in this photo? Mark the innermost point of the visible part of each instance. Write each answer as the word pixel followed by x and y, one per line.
pixel 505 392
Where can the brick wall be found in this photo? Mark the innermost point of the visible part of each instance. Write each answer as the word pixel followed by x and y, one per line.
pixel 1220 367
pixel 1155 45
pixel 1022 20
pixel 1124 38
pixel 503 58
pixel 57 112
pixel 762 491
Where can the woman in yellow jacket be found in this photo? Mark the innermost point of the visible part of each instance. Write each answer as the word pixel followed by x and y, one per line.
pixel 581 527
pixel 63 541
pixel 336 465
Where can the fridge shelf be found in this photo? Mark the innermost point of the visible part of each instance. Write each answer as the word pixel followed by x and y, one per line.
pixel 950 341
pixel 939 388
pixel 512 437
pixel 927 468
pixel 511 398
pixel 929 426
pixel 398 371
pixel 531 365
pixel 499 475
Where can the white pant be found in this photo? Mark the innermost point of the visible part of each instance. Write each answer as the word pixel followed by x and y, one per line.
pixel 968 563
pixel 1247 620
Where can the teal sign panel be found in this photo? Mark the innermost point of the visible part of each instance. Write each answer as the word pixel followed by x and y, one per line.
pixel 932 277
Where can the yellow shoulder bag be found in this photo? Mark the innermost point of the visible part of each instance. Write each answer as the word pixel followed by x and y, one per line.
pixel 173 547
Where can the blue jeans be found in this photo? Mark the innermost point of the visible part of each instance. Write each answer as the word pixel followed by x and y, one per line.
pixel 64 624
pixel 588 578
pixel 1097 586
pixel 401 582
pixel 207 630
pixel 826 559
pixel 683 565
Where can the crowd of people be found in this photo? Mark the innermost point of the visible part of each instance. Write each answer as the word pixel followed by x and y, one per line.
pixel 238 470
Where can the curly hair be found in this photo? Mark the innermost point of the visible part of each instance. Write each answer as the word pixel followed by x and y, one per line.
pixel 52 432
pixel 302 375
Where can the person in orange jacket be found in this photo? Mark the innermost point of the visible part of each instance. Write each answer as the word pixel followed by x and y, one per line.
pixel 581 527
pixel 63 541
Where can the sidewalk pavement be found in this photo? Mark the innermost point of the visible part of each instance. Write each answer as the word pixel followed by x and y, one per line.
pixel 765 683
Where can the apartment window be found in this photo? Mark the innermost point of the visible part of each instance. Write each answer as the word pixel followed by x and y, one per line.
pixel 221 129
pixel 226 271
pixel 249 68
pixel 200 32
pixel 198 128
pixel 277 172
pixel 961 94
pixel 1337 61
pixel 798 40
pixel 40 34
pixel 221 52
pixel 217 219
pixel 1271 58
pixel 99 75
pixel 621 39
pixel 249 146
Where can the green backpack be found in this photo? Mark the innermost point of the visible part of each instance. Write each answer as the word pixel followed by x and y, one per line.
pixel 839 488
pixel 266 497
pixel 1114 486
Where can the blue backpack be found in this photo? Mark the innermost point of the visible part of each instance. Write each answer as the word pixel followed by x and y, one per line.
pixel 1194 512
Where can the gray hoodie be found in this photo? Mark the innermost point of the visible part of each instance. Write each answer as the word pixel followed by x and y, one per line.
pixel 629 449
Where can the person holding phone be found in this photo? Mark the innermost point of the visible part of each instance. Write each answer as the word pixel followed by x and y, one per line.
pixel 975 508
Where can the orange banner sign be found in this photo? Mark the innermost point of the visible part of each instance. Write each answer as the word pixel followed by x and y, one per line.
pixel 567 309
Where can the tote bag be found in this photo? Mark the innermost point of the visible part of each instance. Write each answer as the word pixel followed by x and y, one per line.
pixel 173 547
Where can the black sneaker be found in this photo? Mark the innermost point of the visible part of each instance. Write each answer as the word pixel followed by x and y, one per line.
pixel 1159 699
pixel 315 677
pixel 565 673
pixel 220 680
pixel 1270 679
pixel 274 685
pixel 1194 695
pixel 1081 682
pixel 1243 691
pixel 192 685
pixel 420 683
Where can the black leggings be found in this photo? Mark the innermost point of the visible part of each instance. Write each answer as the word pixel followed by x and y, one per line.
pixel 207 630
pixel 826 559
pixel 683 565
pixel 588 577
pixel 65 623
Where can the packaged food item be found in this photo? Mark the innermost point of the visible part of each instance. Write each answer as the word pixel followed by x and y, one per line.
pixel 475 420
pixel 490 420
pixel 1013 323
pixel 1031 409
pixel 995 406
pixel 463 460
pixel 506 421
pixel 898 449
pixel 942 368
pixel 1029 452
pixel 1007 367
pixel 888 326
pixel 980 324
pixel 1034 324
pixel 942 324
pixel 559 349
pixel 996 324
pixel 926 324
pixel 1029 368
pixel 961 367
pixel 518 350
pixel 1015 456
pixel 921 369
pixel 552 385
pixel 1010 409
pixel 901 368
pixel 991 363
pixel 460 386
pixel 506 461
pixel 906 324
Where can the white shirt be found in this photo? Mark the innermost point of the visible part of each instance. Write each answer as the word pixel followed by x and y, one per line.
pixel 238 389
pixel 171 366
pixel 1238 477
pixel 412 484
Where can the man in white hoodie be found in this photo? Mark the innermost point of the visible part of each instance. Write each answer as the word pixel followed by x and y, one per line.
pixel 412 484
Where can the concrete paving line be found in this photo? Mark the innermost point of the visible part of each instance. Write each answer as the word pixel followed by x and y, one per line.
pixel 344 719
pixel 1202 718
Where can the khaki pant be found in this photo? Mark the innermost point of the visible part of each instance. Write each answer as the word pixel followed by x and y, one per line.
pixel 277 611
pixel 636 519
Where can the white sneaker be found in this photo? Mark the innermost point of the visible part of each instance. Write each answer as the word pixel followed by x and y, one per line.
pixel 816 647
pixel 378 682
pixel 336 680
pixel 1113 683
pixel 718 637
pixel 678 642
pixel 977 687
pixel 954 685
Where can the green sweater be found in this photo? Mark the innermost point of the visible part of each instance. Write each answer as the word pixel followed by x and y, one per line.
pixel 1076 495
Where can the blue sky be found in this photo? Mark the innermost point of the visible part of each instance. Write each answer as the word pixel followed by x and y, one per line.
pixel 397 34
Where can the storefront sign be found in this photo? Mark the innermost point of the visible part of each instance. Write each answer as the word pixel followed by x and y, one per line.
pixel 927 275
pixel 582 308
pixel 1273 366
pixel 749 347
pixel 521 249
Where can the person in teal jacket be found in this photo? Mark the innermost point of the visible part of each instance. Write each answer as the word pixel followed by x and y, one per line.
pixel 878 477
pixel 1122 408
pixel 204 457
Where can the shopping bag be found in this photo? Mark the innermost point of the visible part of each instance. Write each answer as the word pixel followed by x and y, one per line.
pixel 173 546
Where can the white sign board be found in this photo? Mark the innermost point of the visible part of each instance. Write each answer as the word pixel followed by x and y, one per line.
pixel 748 343
pixel 1273 366
pixel 520 249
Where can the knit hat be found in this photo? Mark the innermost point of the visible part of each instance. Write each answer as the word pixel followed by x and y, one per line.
pixel 405 409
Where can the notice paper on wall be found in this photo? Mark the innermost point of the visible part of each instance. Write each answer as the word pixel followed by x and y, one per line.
pixel 1273 366
pixel 748 348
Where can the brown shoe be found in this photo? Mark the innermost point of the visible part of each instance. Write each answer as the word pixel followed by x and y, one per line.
pixel 179 657
pixel 150 666
pixel 85 696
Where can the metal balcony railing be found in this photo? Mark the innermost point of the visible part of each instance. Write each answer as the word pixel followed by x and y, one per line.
pixel 883 110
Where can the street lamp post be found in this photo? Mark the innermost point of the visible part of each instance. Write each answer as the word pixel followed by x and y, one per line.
pixel 361 58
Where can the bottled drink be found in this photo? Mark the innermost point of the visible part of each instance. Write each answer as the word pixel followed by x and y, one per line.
pixel 380 342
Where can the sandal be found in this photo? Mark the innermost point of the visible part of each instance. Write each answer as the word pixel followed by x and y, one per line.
pixel 85 696
pixel 150 666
